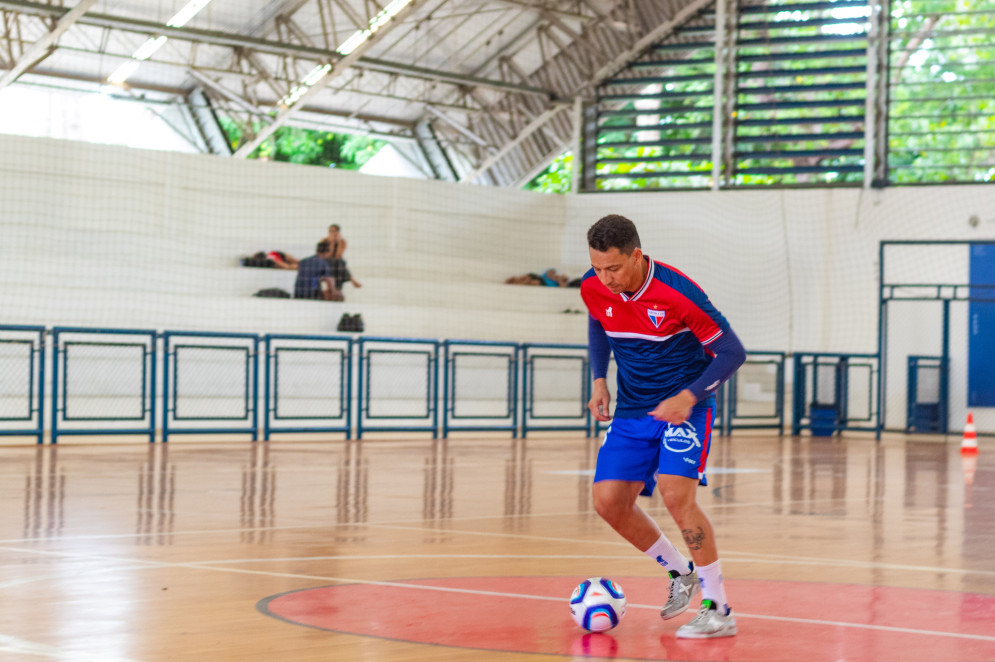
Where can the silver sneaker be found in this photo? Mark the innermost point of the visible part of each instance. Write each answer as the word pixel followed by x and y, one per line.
pixel 709 623
pixel 682 589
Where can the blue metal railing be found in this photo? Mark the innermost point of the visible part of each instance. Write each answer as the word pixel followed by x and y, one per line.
pixel 507 420
pixel 61 398
pixel 554 353
pixel 737 419
pixel 246 349
pixel 929 413
pixel 519 388
pixel 340 421
pixel 405 421
pixel 33 337
pixel 826 411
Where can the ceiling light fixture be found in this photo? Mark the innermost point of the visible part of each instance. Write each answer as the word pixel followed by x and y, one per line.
pixel 384 15
pixel 153 44
pixel 345 48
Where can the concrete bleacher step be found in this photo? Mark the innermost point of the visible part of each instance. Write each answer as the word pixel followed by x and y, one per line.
pixel 204 312
pixel 211 296
pixel 445 293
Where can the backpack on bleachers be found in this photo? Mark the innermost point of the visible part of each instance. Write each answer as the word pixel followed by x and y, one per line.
pixel 272 293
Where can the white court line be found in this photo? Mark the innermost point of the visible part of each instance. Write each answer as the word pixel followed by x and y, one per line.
pixel 726 555
pixel 759 558
pixel 212 566
pixel 330 525
pixel 866 626
pixel 732 558
pixel 525 596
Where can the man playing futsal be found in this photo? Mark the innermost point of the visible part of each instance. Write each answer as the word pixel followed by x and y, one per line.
pixel 672 350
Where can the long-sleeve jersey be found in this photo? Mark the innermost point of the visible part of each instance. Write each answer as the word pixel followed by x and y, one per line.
pixel 661 336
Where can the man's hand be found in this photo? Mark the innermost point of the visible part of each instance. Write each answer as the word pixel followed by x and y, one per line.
pixel 675 409
pixel 600 399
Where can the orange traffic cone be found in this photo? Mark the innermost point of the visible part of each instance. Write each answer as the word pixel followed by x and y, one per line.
pixel 969 445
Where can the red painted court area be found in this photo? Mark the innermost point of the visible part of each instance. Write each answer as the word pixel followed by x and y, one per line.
pixel 778 621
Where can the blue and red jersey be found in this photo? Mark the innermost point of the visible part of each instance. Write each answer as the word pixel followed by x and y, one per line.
pixel 659 334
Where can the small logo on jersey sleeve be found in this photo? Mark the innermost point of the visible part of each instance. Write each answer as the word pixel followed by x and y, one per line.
pixel 656 316
pixel 608 311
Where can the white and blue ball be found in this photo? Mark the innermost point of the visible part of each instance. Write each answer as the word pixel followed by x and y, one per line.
pixel 597 604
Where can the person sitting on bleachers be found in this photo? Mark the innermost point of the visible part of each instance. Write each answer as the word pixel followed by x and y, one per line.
pixel 283 260
pixel 271 260
pixel 314 276
pixel 549 278
pixel 337 245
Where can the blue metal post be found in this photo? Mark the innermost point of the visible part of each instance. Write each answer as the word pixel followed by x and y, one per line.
pixel 445 389
pixel 41 385
pixel 433 374
pixel 255 388
pixel 944 370
pixel 154 358
pixel 513 386
pixel 347 395
pixel 55 386
pixel 267 409
pixel 361 394
pixel 882 343
pixel 526 391
pixel 798 409
pixel 165 386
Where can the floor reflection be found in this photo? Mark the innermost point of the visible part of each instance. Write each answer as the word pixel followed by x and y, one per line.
pixel 44 494
pixel 846 521
pixel 352 490
pixel 925 475
pixel 518 479
pixel 257 501
pixel 585 476
pixel 809 477
pixel 437 494
pixel 978 534
pixel 156 496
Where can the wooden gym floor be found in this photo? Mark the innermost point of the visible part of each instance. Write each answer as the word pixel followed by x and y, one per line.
pixel 467 549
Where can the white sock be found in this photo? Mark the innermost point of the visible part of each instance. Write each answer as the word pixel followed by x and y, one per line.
pixel 664 553
pixel 712 588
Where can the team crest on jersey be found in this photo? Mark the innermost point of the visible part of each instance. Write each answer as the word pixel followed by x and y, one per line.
pixel 656 316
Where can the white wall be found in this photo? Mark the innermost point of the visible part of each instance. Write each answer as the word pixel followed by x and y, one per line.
pixel 108 236
pixel 797 270
pixel 99 235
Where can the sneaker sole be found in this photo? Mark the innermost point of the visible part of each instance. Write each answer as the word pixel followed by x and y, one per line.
pixel 694 592
pixel 676 613
pixel 725 632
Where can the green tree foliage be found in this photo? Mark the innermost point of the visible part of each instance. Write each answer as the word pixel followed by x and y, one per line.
pixel 556 178
pixel 308 147
pixel 942 104
pixel 800 100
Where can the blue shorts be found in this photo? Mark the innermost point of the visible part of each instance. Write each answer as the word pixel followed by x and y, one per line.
pixel 636 449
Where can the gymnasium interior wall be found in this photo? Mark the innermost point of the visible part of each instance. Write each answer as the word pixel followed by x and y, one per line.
pixel 108 236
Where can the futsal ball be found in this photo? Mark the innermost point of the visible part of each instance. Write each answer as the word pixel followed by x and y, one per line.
pixel 597 604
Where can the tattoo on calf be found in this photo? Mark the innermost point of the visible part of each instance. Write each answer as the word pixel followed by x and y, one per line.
pixel 694 539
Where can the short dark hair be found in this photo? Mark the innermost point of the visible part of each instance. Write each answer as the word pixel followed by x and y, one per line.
pixel 614 231
pixel 334 225
pixel 323 246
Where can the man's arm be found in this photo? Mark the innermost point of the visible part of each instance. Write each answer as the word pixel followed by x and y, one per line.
pixel 729 355
pixel 599 351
